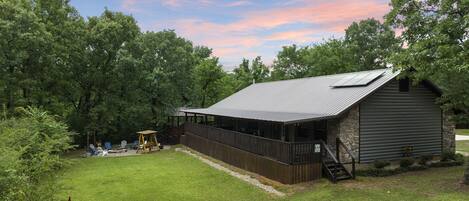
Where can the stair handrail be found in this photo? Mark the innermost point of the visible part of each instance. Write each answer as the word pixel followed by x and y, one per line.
pixel 340 143
pixel 328 151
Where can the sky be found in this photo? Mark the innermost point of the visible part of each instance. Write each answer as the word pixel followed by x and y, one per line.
pixel 240 29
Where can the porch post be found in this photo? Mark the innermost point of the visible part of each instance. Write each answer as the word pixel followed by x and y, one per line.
pixel 236 124
pixel 282 131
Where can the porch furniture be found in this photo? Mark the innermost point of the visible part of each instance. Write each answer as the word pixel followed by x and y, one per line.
pixel 147 141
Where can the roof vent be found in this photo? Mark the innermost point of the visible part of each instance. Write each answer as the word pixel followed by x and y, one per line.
pixel 358 79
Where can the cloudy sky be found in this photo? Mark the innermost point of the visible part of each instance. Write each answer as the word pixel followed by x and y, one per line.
pixel 244 28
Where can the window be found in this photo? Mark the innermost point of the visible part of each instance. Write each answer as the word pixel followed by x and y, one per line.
pixel 404 85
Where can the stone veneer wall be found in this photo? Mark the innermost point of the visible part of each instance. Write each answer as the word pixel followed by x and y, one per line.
pixel 448 132
pixel 347 128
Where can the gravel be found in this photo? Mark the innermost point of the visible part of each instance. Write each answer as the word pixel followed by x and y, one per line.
pixel 243 177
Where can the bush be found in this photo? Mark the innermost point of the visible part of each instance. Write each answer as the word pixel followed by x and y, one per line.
pixel 406 162
pixel 380 164
pixel 374 172
pixel 448 156
pixel 459 158
pixel 29 153
pixel 425 159
pixel 447 163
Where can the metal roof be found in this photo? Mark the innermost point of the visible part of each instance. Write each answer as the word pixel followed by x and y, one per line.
pixel 297 100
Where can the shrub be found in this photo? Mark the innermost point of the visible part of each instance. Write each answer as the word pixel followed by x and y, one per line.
pixel 406 162
pixel 373 172
pixel 459 158
pixel 446 163
pixel 29 153
pixel 424 159
pixel 380 164
pixel 447 156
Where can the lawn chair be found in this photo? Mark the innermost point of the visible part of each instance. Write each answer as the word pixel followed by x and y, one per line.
pixel 107 145
pixel 135 144
pixel 123 144
pixel 93 150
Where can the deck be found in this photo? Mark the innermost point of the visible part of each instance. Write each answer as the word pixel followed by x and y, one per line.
pixel 286 162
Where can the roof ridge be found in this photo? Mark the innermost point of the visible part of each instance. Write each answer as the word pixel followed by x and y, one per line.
pixel 322 76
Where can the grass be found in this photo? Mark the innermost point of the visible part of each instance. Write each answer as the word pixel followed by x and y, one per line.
pixel 170 175
pixel 166 175
pixel 462 131
pixel 462 146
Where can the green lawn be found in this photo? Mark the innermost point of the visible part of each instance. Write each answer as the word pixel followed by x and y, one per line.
pixel 462 146
pixel 169 175
pixel 462 131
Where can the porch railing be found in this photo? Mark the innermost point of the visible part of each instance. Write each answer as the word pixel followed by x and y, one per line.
pixel 286 152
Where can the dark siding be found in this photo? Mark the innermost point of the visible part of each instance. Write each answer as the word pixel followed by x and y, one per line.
pixel 390 120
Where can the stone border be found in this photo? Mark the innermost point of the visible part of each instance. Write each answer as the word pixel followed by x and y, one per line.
pixel 243 177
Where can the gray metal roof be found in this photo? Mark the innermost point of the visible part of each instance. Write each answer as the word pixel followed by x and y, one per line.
pixel 297 100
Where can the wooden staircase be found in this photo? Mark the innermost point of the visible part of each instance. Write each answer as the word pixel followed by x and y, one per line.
pixel 333 168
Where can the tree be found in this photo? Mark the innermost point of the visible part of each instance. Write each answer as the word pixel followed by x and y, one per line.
pixel 167 63
pixel 290 63
pixel 436 38
pixel 366 46
pixel 247 72
pixel 371 43
pixel 93 78
pixel 208 75
pixel 24 41
pixel 38 140
pixel 329 57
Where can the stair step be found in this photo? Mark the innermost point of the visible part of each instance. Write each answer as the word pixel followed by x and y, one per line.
pixel 345 177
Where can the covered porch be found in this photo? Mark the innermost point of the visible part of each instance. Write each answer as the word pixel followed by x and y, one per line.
pixel 286 152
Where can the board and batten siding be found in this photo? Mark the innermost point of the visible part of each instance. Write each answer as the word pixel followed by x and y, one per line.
pixel 391 120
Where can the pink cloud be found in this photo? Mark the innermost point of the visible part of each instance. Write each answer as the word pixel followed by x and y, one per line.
pixel 238 3
pixel 138 5
pixel 248 31
pixel 172 3
pixel 299 36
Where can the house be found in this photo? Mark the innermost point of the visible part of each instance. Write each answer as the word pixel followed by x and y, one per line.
pixel 301 129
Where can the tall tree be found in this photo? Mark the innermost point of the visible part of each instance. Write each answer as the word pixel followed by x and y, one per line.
pixel 208 75
pixel 367 45
pixel 24 42
pixel 371 42
pixel 329 57
pixel 290 63
pixel 167 63
pixel 105 36
pixel 436 37
pixel 251 72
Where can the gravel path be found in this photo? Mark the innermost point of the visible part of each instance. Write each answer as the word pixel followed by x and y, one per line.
pixel 243 177
pixel 462 137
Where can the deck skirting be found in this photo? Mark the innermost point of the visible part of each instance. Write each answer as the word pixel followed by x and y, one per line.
pixel 269 168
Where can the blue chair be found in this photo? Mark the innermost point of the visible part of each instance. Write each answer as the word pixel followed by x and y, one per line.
pixel 107 145
pixel 93 150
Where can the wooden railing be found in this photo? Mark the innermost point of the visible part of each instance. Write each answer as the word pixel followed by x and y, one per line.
pixel 286 152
